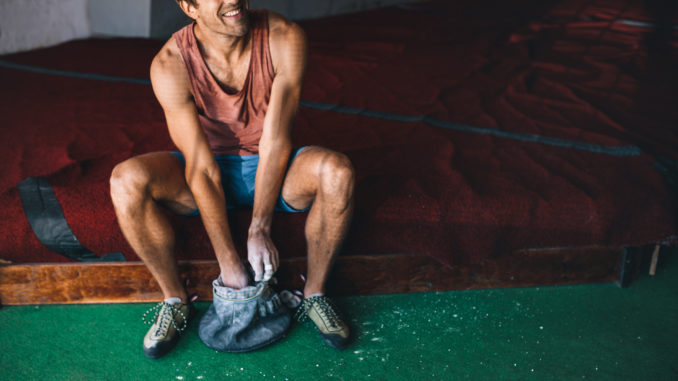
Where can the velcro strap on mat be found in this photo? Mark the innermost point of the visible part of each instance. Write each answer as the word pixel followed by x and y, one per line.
pixel 49 224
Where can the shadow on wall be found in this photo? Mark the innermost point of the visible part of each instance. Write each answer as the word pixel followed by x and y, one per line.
pixel 309 9
pixel 166 17
pixel 30 24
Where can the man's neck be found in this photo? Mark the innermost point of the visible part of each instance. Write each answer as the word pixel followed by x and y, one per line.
pixel 221 45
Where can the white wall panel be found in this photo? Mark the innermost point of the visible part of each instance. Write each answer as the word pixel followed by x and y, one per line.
pixel 30 24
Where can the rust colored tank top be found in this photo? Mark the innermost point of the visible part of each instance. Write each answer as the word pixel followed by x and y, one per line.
pixel 233 123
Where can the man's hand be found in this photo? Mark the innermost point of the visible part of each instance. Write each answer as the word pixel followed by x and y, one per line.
pixel 234 276
pixel 262 254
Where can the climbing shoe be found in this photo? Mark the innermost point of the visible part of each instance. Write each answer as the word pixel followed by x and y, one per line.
pixel 170 319
pixel 325 317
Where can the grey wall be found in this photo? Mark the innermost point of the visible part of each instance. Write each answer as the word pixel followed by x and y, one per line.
pixel 124 18
pixel 166 17
pixel 30 24
pixel 309 9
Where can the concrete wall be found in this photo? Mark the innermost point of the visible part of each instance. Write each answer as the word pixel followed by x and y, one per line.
pixel 30 24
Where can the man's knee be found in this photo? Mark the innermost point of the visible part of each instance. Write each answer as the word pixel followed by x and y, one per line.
pixel 337 176
pixel 129 181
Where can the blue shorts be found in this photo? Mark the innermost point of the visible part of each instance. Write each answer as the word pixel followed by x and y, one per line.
pixel 237 178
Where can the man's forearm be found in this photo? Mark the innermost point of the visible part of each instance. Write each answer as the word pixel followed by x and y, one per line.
pixel 209 197
pixel 273 160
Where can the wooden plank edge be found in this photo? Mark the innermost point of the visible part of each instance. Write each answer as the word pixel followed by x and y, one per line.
pixel 125 282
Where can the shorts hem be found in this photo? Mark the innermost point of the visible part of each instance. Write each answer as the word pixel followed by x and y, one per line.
pixel 280 206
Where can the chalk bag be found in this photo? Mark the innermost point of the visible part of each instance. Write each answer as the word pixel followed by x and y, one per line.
pixel 242 320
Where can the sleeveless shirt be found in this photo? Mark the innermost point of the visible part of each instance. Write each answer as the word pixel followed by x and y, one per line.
pixel 233 123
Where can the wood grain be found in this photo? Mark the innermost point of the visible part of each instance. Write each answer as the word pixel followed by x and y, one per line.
pixel 22 284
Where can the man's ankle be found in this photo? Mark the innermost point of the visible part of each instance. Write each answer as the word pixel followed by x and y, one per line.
pixel 174 297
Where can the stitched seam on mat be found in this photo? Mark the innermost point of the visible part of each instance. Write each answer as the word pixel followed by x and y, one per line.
pixel 621 151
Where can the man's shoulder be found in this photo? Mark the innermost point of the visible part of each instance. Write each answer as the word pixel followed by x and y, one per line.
pixel 286 38
pixel 168 75
pixel 282 30
pixel 168 60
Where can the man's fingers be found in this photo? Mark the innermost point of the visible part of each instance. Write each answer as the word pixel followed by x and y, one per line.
pixel 268 273
pixel 257 266
pixel 264 259
pixel 268 267
pixel 272 258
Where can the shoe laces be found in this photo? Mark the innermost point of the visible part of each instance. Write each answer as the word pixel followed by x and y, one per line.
pixel 163 314
pixel 324 308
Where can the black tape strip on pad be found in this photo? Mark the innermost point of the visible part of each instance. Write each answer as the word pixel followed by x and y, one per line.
pixel 49 224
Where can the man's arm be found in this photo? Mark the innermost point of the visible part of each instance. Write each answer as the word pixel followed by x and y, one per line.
pixel 288 51
pixel 172 89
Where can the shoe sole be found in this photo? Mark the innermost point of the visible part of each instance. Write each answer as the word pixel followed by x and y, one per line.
pixel 154 353
pixel 329 342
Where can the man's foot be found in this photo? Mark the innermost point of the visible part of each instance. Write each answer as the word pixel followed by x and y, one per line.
pixel 323 314
pixel 170 319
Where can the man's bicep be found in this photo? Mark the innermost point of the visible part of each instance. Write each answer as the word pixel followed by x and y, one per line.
pixel 171 89
pixel 290 49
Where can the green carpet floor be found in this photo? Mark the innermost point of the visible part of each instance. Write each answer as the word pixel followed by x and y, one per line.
pixel 598 332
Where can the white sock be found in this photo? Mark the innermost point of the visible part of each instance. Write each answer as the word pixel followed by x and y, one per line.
pixel 173 300
pixel 316 294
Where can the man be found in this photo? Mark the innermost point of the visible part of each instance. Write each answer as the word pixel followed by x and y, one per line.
pixel 229 85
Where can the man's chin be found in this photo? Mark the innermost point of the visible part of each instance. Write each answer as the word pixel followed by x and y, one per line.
pixel 243 32
pixel 239 32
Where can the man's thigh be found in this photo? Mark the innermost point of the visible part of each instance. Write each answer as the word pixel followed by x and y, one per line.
pixel 164 173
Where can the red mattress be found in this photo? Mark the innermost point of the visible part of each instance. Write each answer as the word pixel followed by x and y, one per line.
pixel 475 129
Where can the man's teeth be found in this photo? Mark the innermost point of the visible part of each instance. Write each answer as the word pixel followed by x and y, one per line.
pixel 232 13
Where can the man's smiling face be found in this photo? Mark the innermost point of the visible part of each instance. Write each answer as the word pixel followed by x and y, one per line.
pixel 227 17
